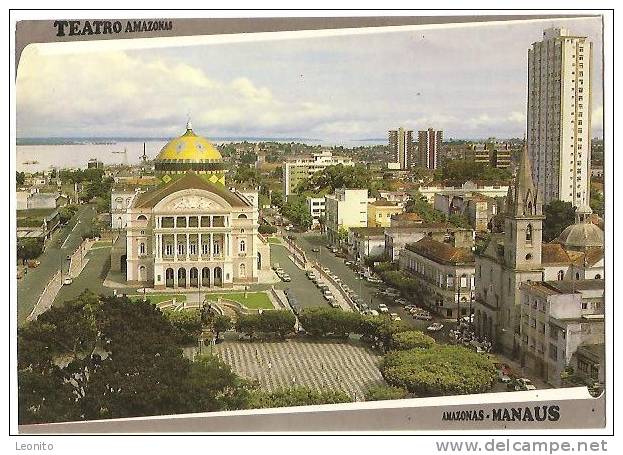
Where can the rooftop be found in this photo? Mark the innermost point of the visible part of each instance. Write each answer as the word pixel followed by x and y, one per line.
pixel 189 180
pixel 441 252
pixel 565 286
pixel 367 232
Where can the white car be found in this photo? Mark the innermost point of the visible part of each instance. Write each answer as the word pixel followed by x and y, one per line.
pixel 67 281
pixel 435 327
pixel 395 317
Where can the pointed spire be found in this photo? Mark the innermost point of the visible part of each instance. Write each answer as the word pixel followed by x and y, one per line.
pixel 189 125
pixel 524 196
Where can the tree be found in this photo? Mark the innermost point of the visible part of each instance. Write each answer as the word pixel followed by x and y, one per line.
pixel 379 393
pixel 298 396
pixel 20 177
pixel 418 204
pixel 338 176
pixel 187 325
pixel 247 324
pixel 411 339
pixel 321 321
pixel 295 209
pixel 29 248
pixel 66 213
pixel 558 215
pixel 463 170
pixel 439 370
pixel 108 357
pixel 276 199
pixel 221 323
pixel 379 330
pixel 277 322
pixel 459 220
pixel 597 202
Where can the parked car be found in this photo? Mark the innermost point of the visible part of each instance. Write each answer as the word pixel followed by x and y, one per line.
pixel 67 281
pixel 334 304
pixel 435 327
pixel 402 302
pixel 315 250
pixel 423 316
pixel 285 277
pixel 328 295
pixel 373 312
pixel 524 384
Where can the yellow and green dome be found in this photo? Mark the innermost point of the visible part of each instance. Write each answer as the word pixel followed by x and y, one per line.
pixel 189 147
pixel 190 152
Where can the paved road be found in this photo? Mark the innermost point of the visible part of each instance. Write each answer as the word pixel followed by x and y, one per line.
pixel 63 243
pixel 364 289
pixel 306 292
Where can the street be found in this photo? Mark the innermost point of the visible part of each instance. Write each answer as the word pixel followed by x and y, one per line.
pixel 367 291
pixel 63 243
pixel 306 292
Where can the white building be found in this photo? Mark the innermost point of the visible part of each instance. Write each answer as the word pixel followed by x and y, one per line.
pixel 468 188
pixel 316 207
pixel 559 115
pixel 191 230
pixel 295 170
pixel 345 209
pixel 557 317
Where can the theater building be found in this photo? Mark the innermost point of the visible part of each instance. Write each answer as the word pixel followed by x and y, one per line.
pixel 191 230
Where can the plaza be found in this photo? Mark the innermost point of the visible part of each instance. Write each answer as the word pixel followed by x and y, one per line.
pixel 350 367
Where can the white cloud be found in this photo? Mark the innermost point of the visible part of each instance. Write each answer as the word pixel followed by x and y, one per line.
pixel 112 92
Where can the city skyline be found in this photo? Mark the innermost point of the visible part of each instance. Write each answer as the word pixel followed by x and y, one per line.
pixel 469 81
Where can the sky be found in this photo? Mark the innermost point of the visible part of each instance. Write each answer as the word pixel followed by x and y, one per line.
pixel 469 81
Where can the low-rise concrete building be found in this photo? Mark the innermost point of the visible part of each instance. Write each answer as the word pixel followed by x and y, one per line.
pixel 366 242
pixel 445 273
pixel 397 237
pixel 496 189
pixel 557 317
pixel 380 212
pixel 345 209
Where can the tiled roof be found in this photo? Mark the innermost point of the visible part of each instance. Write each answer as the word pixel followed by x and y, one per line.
pixel 554 253
pixel 441 252
pixel 188 181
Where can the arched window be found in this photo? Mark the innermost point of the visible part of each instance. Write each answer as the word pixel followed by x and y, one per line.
pixel 561 275
pixel 142 218
pixel 243 271
pixel 577 275
pixel 141 248
pixel 243 246
pixel 529 233
pixel 242 216
pixel 528 257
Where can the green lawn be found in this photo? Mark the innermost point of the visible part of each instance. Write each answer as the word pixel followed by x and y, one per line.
pixel 254 300
pixel 275 240
pixel 159 298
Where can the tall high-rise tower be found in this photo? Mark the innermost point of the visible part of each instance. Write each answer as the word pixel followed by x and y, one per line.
pixel 401 146
pixel 559 115
pixel 429 144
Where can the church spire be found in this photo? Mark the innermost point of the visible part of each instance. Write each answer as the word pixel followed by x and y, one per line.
pixel 524 199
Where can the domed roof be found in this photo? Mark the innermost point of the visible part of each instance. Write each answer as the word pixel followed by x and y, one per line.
pixel 583 234
pixel 189 148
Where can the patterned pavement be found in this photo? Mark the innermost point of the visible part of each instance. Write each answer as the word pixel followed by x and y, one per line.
pixel 317 365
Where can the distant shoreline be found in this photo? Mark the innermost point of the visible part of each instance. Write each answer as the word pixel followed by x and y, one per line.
pixel 114 140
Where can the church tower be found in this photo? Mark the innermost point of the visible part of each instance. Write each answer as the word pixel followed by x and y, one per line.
pixel 524 220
